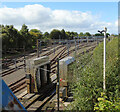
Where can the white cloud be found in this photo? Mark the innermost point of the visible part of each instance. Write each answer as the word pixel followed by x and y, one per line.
pixel 116 23
pixel 45 19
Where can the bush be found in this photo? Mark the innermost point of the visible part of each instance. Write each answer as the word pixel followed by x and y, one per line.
pixel 105 105
pixel 88 79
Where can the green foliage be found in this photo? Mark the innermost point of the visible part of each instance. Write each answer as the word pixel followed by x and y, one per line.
pixel 70 35
pixel 63 34
pixel 87 34
pixel 55 34
pixel 26 40
pixel 10 37
pixel 35 34
pixel 105 105
pixel 14 39
pixel 81 34
pixel 46 35
pixel 35 31
pixel 84 34
pixel 87 83
pixel 99 34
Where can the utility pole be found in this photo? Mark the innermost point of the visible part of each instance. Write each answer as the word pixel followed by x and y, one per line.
pixel 37 48
pixel 59 38
pixel 40 48
pixel 58 83
pixel 24 60
pixel 75 47
pixel 54 47
pixel 15 64
pixel 68 46
pixel 87 39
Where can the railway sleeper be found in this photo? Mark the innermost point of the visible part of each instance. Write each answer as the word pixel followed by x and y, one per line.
pixel 20 88
pixel 28 100
pixel 18 85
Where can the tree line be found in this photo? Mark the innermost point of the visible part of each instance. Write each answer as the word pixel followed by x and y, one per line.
pixel 25 38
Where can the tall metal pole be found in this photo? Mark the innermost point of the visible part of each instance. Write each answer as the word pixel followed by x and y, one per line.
pixel 87 39
pixel 15 63
pixel 58 83
pixel 68 46
pixel 24 60
pixel 104 60
pixel 75 47
pixel 37 48
pixel 104 57
pixel 54 46
pixel 59 38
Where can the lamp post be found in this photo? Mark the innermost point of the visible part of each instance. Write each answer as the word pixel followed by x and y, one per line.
pixel 104 58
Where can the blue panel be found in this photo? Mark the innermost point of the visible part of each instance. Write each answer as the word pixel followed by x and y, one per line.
pixel 0 94
pixel 9 100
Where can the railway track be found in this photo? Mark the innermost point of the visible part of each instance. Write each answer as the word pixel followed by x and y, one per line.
pixel 21 83
pixel 61 55
pixel 37 109
pixel 11 61
pixel 65 54
pixel 11 70
pixel 41 99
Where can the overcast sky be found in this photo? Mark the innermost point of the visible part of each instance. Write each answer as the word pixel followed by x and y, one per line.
pixel 71 16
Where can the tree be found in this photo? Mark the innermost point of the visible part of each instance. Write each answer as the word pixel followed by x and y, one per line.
pixel 81 34
pixel 63 34
pixel 72 34
pixel 99 34
pixel 35 31
pixel 46 35
pixel 55 34
pixel 68 35
pixel 9 37
pixel 87 34
pixel 35 34
pixel 26 40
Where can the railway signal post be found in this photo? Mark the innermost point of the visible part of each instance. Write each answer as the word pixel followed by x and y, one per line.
pixel 105 30
pixel 104 58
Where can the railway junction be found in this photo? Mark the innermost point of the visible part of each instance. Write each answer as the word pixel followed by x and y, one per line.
pixel 39 80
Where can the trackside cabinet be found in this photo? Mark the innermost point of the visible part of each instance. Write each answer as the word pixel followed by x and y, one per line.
pixel 38 74
pixel 65 75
